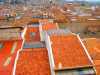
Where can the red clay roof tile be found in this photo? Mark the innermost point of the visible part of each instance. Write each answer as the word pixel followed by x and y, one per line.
pixel 49 26
pixel 68 52
pixel 33 61
pixel 36 37
pixel 43 21
pixel 93 47
pixel 6 54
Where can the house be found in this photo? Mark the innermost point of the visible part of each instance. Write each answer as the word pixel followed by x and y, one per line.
pixel 68 55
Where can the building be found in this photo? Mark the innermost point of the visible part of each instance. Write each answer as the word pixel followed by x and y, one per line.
pixel 31 43
pixel 67 57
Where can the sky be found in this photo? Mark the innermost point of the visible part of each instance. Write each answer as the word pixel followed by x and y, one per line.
pixel 93 0
pixel 86 0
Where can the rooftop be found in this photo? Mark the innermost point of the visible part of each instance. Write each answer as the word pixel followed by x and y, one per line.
pixel 8 53
pixel 93 47
pixel 49 26
pixel 32 34
pixel 66 49
pixel 33 61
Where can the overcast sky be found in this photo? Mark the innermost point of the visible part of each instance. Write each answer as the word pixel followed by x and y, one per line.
pixel 86 0
pixel 92 0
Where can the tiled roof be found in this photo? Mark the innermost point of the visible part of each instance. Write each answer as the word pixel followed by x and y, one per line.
pixel 68 52
pixel 32 37
pixel 93 47
pixel 35 20
pixel 16 23
pixel 2 18
pixel 97 69
pixel 7 55
pixel 21 22
pixel 44 21
pixel 97 66
pixel 49 26
pixel 33 61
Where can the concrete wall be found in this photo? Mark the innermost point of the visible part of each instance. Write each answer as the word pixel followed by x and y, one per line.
pixel 41 32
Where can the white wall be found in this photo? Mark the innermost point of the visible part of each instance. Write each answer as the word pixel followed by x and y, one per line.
pixel 40 30
pixel 48 46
